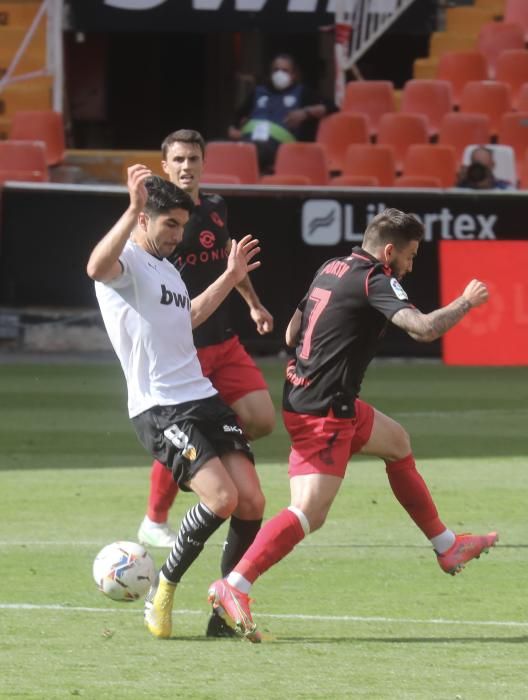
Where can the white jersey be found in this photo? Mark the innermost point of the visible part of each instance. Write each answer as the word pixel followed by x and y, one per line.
pixel 146 312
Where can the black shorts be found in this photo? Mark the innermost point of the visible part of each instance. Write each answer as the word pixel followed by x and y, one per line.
pixel 185 436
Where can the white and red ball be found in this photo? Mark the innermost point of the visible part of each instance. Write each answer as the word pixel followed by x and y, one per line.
pixel 124 571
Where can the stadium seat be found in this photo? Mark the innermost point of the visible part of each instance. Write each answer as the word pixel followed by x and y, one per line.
pixel 17 14
pixel 517 11
pixel 425 68
pixel 496 6
pixel 400 131
pixel 237 158
pixel 150 159
pixel 428 181
pixel 12 37
pixel 459 129
pixel 503 156
pixel 432 98
pixel 5 128
pixel 216 179
pixel 336 132
pixel 513 131
pixel 47 126
pixel 370 97
pixel 496 37
pixel 355 181
pixel 467 19
pixel 25 95
pixel 23 160
pixel 486 97
pixel 512 68
pixel 293 180
pixel 434 160
pixel 459 67
pixel 308 159
pixel 522 98
pixel 371 160
pixel 440 42
pixel 28 62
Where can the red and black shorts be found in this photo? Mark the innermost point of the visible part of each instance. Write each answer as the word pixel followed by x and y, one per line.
pixel 186 436
pixel 324 444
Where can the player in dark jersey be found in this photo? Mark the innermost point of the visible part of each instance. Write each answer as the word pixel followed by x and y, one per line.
pixel 200 258
pixel 335 332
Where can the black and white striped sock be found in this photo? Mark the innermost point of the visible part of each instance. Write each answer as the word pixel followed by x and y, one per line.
pixel 197 526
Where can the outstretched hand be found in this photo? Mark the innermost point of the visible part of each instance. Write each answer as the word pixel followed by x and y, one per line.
pixel 476 293
pixel 136 176
pixel 240 256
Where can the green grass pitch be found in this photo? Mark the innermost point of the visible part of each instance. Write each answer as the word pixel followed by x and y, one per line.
pixel 359 610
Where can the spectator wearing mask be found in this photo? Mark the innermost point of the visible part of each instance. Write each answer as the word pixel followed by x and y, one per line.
pixel 479 174
pixel 281 110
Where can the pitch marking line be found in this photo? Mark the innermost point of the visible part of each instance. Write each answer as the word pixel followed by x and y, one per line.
pixel 316 618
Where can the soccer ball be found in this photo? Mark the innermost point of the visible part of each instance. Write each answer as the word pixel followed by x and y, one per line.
pixel 124 571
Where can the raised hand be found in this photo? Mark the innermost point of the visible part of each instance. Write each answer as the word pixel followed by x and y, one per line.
pixel 240 257
pixel 136 176
pixel 476 293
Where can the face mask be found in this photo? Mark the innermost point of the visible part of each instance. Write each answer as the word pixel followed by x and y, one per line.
pixel 281 79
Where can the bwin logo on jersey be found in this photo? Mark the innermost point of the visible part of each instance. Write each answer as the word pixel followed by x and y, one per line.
pixel 168 297
pixel 321 222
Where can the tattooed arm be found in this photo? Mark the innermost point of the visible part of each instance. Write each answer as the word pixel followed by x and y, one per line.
pixel 428 327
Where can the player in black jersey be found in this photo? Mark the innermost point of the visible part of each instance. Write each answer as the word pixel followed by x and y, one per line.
pixel 335 332
pixel 200 258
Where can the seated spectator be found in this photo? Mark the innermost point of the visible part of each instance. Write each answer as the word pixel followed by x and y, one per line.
pixel 279 111
pixel 479 175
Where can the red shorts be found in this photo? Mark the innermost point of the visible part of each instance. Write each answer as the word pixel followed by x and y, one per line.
pixel 324 444
pixel 231 370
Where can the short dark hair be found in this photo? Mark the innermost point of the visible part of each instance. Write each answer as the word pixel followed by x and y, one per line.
pixel 393 226
pixel 163 196
pixel 183 136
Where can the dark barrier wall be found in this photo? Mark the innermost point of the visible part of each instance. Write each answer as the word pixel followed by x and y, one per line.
pixel 47 233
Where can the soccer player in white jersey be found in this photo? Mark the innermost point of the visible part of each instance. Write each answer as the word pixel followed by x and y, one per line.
pixel 175 410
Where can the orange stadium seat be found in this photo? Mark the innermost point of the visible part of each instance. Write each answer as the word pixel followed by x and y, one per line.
pixel 522 99
pixel 432 98
pixel 434 160
pixel 487 97
pixel 496 37
pixel 498 7
pixel 23 160
pixel 428 181
pixel 517 11
pixel 467 19
pixel 459 129
pixel 308 159
pixel 355 181
pixel 459 67
pixel 425 68
pixel 371 160
pixel 372 98
pixel 400 131
pixel 17 14
pixel 513 131
pixel 217 179
pixel 512 68
pixel 440 42
pixel 32 94
pixel 41 125
pixel 237 158
pixel 337 131
pixel 293 180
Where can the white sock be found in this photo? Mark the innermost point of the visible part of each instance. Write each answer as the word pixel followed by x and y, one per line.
pixel 444 541
pixel 150 523
pixel 239 582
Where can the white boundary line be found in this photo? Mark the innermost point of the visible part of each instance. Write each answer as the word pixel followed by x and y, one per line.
pixel 316 618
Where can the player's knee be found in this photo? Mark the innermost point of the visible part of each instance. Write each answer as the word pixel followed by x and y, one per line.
pixel 251 506
pixel 260 425
pixel 401 444
pixel 224 501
